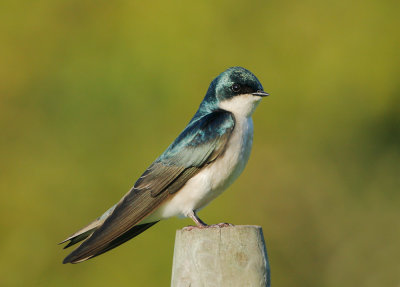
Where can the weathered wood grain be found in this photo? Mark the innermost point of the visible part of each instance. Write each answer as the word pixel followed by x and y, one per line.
pixel 228 256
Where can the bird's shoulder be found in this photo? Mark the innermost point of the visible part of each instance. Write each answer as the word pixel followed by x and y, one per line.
pixel 203 133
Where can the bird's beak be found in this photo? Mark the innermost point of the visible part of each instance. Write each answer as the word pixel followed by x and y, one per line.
pixel 260 93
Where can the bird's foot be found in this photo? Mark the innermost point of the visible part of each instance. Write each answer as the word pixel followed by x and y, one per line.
pixel 221 225
pixel 191 227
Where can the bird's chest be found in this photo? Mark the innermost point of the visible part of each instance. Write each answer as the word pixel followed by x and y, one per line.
pixel 215 178
pixel 230 165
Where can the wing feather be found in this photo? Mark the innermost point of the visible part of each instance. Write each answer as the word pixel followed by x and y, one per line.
pixel 198 145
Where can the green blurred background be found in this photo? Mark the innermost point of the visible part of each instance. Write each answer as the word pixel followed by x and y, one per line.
pixel 91 92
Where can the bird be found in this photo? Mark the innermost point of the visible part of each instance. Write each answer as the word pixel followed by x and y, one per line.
pixel 207 156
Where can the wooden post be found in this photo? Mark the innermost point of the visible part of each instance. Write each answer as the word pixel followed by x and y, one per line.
pixel 228 256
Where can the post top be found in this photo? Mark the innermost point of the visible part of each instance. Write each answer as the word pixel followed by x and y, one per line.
pixel 213 229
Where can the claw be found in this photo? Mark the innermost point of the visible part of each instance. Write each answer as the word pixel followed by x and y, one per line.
pixel 221 225
pixel 191 227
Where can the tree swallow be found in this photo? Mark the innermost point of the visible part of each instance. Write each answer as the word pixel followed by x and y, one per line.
pixel 199 165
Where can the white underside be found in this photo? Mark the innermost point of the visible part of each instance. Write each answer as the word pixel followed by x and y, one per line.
pixel 215 178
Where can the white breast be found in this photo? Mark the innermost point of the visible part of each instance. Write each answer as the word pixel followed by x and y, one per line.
pixel 214 179
pixel 226 169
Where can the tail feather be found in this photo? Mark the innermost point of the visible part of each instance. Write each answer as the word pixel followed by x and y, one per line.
pixel 78 238
pixel 86 231
pixel 76 256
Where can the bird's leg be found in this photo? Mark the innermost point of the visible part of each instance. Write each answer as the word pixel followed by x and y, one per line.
pixel 200 223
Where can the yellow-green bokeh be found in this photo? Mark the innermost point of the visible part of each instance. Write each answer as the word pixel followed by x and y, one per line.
pixel 91 92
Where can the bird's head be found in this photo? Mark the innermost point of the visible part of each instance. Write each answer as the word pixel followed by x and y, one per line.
pixel 236 90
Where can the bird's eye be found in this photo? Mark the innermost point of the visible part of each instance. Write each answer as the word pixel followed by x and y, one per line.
pixel 235 88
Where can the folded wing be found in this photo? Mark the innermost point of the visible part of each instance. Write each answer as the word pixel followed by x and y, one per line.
pixel 198 145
